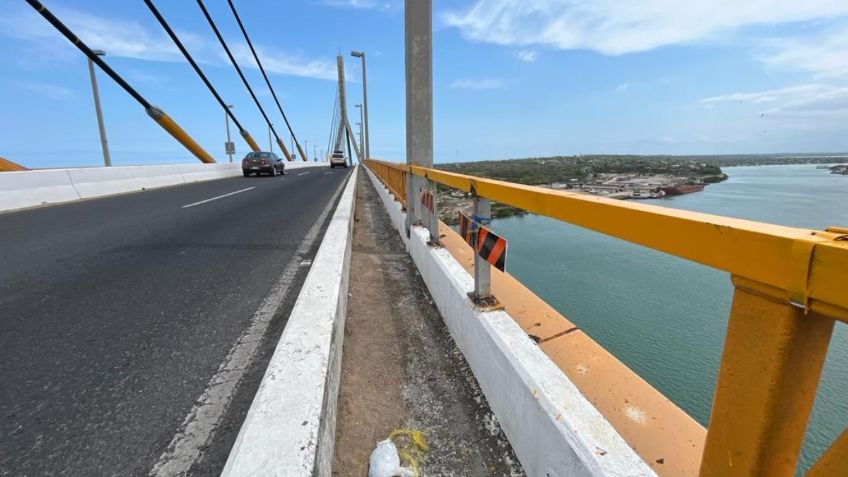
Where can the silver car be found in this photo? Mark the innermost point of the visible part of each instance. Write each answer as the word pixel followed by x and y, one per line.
pixel 338 159
pixel 262 162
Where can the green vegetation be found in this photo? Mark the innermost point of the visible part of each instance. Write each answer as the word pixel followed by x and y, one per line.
pixel 547 170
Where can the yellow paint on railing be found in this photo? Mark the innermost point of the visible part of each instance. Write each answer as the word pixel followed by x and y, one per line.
pixel 770 369
pixel 834 462
pixel 790 287
pixel 757 251
pixel 7 165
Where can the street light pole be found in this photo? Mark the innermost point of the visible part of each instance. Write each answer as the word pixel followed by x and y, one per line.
pixel 367 148
pixel 107 159
pixel 270 144
pixel 360 135
pixel 227 121
pixel 315 152
pixel 362 121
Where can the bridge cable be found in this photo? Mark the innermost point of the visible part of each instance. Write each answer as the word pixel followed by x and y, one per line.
pixel 264 75
pixel 87 51
pixel 154 112
pixel 238 70
pixel 199 72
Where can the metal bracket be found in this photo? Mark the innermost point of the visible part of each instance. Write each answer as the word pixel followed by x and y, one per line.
pixel 486 303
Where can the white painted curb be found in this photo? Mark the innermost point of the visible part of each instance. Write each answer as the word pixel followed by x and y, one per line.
pixel 23 189
pixel 291 425
pixel 554 430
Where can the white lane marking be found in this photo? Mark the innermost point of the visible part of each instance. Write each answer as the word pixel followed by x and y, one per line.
pixel 304 173
pixel 204 418
pixel 216 198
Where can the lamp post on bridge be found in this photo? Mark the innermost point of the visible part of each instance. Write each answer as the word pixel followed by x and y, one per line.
pixel 229 147
pixel 367 146
pixel 104 144
pixel 315 152
pixel 362 122
pixel 361 147
pixel 270 143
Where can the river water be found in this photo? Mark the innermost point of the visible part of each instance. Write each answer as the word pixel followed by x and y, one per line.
pixel 665 317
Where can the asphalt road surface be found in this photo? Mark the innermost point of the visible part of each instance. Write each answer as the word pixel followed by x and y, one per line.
pixel 134 329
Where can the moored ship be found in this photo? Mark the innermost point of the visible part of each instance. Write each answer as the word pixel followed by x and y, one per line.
pixel 682 189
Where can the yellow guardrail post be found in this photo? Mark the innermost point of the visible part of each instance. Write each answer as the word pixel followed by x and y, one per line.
pixel 177 132
pixel 249 140
pixel 7 165
pixel 770 369
pixel 834 462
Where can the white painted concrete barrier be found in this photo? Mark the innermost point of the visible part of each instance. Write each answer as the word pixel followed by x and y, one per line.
pixel 554 430
pixel 290 427
pixel 22 189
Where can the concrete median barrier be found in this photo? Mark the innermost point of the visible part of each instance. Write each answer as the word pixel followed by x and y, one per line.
pixel 23 189
pixel 290 427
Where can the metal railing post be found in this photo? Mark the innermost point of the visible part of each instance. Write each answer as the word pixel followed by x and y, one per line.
pixel 770 369
pixel 430 217
pixel 482 270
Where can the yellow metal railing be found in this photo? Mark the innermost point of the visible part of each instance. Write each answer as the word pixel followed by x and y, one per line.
pixel 791 285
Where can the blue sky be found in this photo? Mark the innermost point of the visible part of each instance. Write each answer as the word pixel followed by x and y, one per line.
pixel 512 78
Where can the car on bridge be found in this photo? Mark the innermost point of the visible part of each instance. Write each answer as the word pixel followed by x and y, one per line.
pixel 262 162
pixel 338 159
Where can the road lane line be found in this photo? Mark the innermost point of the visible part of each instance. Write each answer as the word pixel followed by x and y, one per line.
pixel 185 449
pixel 219 197
pixel 304 173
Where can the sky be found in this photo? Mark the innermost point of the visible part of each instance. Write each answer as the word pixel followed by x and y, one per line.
pixel 512 78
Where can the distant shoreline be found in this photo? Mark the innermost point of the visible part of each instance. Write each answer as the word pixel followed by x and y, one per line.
pixel 615 176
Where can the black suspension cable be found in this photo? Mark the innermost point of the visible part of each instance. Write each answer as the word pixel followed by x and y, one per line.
pixel 87 51
pixel 191 61
pixel 233 61
pixel 259 63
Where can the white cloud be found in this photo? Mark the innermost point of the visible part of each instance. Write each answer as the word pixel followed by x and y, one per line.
pixel 528 56
pixel 356 4
pixel 282 63
pixel 622 87
pixel 823 54
pixel 616 27
pixel 790 93
pixel 128 39
pixel 489 83
pixel 807 106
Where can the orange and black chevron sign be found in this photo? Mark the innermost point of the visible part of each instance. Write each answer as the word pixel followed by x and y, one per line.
pixel 486 243
pixel 427 200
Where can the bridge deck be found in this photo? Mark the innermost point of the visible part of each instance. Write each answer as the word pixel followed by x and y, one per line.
pixel 400 367
pixel 116 314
